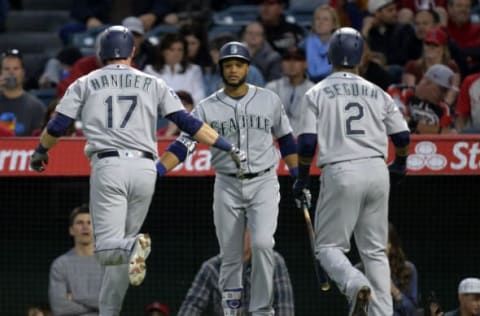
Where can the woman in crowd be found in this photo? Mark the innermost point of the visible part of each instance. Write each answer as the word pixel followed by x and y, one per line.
pixel 173 66
pixel 325 22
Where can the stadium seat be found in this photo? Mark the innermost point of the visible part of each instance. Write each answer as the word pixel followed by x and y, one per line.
pixel 85 41
pixel 51 5
pixel 236 15
pixel 36 21
pixel 216 30
pixel 306 5
pixel 155 34
pixel 301 17
pixel 31 42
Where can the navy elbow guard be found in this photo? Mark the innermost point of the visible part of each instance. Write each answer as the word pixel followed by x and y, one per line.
pixel 287 145
pixel 186 122
pixel 58 125
pixel 401 139
pixel 307 143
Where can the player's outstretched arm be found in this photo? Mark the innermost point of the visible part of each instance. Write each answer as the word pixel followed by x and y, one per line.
pixel 49 138
pixel 201 132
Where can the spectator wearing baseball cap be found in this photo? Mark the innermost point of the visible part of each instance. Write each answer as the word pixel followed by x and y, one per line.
pixel 435 51
pixel 468 297
pixel 157 309
pixel 386 35
pixel 142 47
pixel 293 85
pixel 423 106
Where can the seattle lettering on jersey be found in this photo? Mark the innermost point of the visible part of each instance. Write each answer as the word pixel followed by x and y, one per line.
pixel 121 81
pixel 250 121
pixel 350 89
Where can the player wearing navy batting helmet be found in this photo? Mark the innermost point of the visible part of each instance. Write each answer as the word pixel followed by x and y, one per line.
pixel 246 195
pixel 349 118
pixel 119 107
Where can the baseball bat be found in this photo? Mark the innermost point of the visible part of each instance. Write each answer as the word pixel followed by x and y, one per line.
pixel 322 276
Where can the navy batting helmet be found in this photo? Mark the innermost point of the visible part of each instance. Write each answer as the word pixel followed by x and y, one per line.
pixel 234 50
pixel 116 42
pixel 346 48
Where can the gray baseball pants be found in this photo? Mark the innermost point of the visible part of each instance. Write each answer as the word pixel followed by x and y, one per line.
pixel 354 200
pixel 253 202
pixel 121 190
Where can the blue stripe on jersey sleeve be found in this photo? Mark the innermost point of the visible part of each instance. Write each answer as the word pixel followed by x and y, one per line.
pixel 186 122
pixel 58 124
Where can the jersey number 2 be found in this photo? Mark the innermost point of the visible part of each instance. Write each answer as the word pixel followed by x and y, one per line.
pixel 356 117
pixel 121 99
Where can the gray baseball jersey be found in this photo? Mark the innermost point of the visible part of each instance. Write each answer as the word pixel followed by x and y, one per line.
pixel 291 97
pixel 248 122
pixel 118 106
pixel 352 118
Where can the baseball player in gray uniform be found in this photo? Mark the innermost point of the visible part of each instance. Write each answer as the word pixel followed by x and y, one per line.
pixel 247 116
pixel 350 118
pixel 119 107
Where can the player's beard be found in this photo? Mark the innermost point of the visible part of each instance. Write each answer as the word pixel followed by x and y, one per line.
pixel 235 84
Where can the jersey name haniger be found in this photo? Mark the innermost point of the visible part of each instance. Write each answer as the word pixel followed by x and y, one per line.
pixel 249 121
pixel 121 81
pixel 350 89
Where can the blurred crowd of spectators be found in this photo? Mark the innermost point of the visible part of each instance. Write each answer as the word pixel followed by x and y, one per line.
pixel 425 53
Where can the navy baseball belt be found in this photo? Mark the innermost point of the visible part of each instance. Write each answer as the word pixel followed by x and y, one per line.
pixel 249 175
pixel 134 153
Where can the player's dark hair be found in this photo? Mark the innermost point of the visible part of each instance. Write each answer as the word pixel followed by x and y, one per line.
pixel 167 41
pixel 82 209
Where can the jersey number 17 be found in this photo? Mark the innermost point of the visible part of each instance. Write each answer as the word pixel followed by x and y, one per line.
pixel 124 101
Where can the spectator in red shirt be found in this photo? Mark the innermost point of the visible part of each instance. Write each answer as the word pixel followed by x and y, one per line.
pixel 423 105
pixel 435 51
pixel 81 67
pixel 463 31
pixel 468 105
pixel 460 28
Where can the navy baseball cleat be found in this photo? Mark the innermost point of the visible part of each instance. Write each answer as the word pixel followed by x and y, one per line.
pixel 137 267
pixel 360 303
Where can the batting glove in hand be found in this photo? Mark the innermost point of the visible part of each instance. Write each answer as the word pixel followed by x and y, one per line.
pixel 301 194
pixel 38 161
pixel 397 173
pixel 239 157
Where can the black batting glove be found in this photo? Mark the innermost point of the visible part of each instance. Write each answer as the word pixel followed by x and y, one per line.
pixel 397 173
pixel 301 194
pixel 38 161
